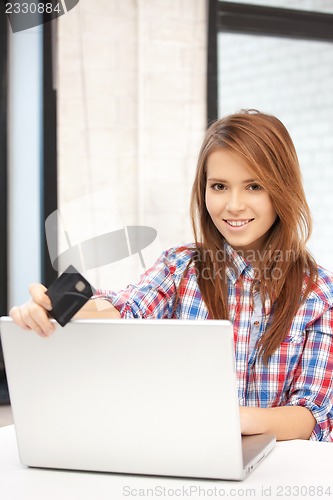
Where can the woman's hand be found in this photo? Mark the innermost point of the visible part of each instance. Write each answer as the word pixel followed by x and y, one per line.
pixel 284 422
pixel 33 315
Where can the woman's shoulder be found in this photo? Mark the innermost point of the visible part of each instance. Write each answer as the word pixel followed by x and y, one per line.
pixel 176 261
pixel 181 255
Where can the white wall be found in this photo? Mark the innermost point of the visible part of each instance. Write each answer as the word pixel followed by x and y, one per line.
pixel 132 114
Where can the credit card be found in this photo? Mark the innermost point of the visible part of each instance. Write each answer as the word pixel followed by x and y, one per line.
pixel 68 293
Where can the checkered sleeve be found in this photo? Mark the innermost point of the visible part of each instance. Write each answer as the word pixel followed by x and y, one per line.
pixel 313 382
pixel 154 295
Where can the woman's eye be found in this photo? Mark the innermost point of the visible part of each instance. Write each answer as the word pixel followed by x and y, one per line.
pixel 255 187
pixel 218 187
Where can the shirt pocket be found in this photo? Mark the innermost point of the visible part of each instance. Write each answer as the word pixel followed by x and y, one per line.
pixel 290 350
pixel 287 357
pixel 274 381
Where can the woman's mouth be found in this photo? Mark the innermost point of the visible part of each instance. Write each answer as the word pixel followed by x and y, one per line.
pixel 237 223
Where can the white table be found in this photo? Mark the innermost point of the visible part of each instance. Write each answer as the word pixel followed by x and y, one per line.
pixel 294 469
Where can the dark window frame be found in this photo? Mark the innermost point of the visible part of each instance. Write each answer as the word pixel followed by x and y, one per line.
pixel 227 17
pixel 3 160
pixel 3 181
pixel 50 164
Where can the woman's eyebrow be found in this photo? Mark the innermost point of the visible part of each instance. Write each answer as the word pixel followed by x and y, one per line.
pixel 225 181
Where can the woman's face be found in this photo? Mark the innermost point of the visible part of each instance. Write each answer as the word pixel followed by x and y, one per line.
pixel 239 206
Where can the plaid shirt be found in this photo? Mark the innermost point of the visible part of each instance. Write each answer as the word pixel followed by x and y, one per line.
pixel 298 373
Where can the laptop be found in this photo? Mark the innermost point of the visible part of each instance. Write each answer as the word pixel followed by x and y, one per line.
pixel 156 397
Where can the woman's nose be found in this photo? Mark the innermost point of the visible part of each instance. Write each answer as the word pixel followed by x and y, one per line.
pixel 235 202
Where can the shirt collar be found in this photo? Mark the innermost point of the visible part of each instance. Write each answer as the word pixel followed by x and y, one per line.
pixel 240 265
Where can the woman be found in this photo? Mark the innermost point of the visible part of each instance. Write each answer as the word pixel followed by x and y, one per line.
pixel 249 264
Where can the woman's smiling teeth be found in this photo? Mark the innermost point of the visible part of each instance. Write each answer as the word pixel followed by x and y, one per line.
pixel 237 223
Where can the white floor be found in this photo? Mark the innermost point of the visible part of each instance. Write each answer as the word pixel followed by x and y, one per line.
pixel 6 416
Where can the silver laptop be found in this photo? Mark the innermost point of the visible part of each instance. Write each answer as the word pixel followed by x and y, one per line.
pixel 155 397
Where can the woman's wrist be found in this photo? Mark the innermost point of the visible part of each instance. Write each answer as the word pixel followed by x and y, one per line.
pixel 285 422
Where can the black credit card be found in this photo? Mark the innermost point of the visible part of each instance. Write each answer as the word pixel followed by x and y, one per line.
pixel 68 293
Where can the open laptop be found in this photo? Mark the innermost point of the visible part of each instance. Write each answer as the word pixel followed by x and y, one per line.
pixel 155 397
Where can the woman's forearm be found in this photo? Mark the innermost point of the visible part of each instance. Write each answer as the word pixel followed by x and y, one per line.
pixel 98 308
pixel 285 422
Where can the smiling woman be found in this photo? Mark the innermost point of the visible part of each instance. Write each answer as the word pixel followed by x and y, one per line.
pixel 248 206
pixel 240 208
pixel 248 169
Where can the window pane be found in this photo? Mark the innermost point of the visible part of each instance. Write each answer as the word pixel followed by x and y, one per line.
pixel 310 5
pixel 292 79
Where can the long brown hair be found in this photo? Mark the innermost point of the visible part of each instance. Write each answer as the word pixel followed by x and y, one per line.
pixel 264 145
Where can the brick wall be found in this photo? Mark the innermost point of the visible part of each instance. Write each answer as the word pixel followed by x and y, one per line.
pixel 292 79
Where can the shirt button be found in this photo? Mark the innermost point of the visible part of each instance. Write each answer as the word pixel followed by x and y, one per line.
pixel 256 323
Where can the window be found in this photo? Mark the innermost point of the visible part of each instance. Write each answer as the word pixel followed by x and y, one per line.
pixel 281 61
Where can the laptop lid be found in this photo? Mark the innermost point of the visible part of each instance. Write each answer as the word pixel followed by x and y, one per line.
pixel 128 396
